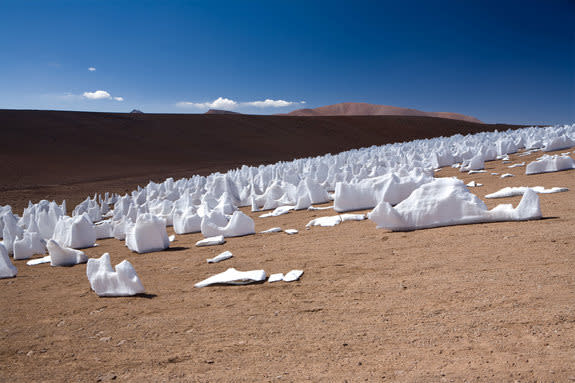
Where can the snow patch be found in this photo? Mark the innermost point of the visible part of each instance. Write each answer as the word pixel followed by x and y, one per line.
pixel 234 277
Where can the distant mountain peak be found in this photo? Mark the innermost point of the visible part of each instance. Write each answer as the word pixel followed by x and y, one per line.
pixel 365 109
pixel 219 111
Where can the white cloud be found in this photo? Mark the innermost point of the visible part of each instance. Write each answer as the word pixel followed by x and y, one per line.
pixel 219 103
pixel 97 95
pixel 92 69
pixel 272 103
pixel 101 95
pixel 227 104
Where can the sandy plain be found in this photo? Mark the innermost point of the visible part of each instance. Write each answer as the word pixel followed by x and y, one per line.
pixel 483 302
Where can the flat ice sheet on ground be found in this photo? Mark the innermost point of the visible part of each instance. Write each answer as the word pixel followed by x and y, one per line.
pixel 272 230
pixel 221 257
pixel 39 261
pixel 520 190
pixel 293 276
pixel 277 277
pixel 335 220
pixel 234 277
pixel 211 241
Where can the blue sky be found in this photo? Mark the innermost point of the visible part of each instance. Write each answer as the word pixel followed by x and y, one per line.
pixel 500 61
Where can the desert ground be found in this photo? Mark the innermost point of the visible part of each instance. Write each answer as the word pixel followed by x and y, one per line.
pixel 69 155
pixel 482 302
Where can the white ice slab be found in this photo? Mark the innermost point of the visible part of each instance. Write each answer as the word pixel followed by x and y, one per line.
pixel 506 175
pixel 211 241
pixel 447 201
pixel 549 164
pixel 272 230
pixel 64 256
pixel 291 231
pixel 109 283
pixel 234 277
pixel 312 208
pixel 335 220
pixel 277 277
pixel 221 257
pixel 172 238
pixel 293 275
pixel 278 211
pixel 7 269
pixel 39 261
pixel 517 165
pixel 520 190
pixel 474 184
pixel 477 171
pixel 148 234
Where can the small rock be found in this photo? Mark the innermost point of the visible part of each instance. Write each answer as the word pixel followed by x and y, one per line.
pixel 105 339
pixel 30 353
pixel 121 342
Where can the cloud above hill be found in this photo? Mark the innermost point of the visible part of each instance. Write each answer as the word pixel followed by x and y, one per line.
pixel 228 104
pixel 219 103
pixel 101 95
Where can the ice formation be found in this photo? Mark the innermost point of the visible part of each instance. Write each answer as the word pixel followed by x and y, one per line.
pixel 517 165
pixel 368 192
pixel 355 179
pixel 39 261
pixel 104 229
pixel 447 201
pixel 335 220
pixel 76 232
pixel 474 184
pixel 109 283
pixel 278 211
pixel 312 208
pixel 147 234
pixel 293 275
pixel 30 244
pixel 506 175
pixel 272 230
pixel 234 277
pixel 239 225
pixel 211 241
pixel 278 277
pixel 515 191
pixel 548 164
pixel 64 256
pixel 7 269
pixel 187 221
pixel 221 257
pixel 291 231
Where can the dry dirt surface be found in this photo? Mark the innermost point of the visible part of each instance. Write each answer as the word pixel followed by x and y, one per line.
pixel 484 302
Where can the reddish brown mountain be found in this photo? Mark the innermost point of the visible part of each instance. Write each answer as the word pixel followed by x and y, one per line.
pixel 220 111
pixel 364 109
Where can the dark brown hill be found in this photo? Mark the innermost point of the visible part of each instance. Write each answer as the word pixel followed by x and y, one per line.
pixel 79 153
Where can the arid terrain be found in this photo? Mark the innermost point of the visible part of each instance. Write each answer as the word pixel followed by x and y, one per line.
pixel 70 155
pixel 482 302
